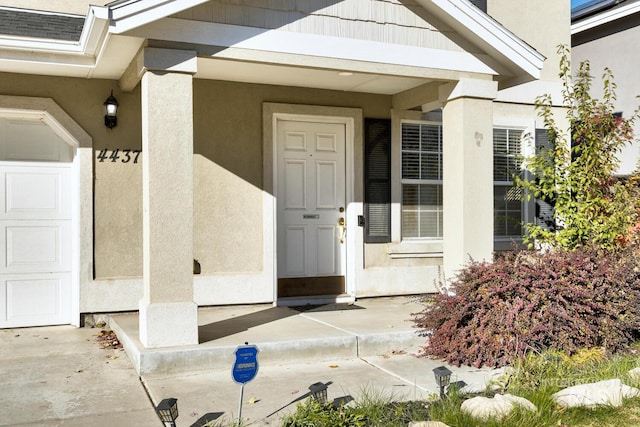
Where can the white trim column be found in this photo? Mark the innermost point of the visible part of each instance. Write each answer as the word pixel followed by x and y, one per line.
pixel 467 172
pixel 168 314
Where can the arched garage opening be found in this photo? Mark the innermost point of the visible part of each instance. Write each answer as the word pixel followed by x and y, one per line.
pixel 39 217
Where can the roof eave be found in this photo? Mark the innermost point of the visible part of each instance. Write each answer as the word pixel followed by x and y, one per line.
pixel 92 38
pixel 508 49
pixel 605 17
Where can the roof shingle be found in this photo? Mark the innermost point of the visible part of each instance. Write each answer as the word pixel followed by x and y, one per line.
pixel 40 25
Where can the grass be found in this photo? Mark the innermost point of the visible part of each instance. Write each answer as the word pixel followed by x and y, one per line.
pixel 535 378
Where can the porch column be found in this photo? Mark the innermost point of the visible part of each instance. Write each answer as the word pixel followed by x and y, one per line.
pixel 467 172
pixel 168 315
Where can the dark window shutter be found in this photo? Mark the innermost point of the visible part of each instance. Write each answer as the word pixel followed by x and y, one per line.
pixel 545 215
pixel 377 180
pixel 480 4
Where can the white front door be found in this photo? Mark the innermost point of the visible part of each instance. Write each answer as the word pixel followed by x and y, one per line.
pixel 35 244
pixel 311 208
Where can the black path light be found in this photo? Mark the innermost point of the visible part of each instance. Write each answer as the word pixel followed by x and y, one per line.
pixel 319 392
pixel 443 377
pixel 167 410
pixel 111 110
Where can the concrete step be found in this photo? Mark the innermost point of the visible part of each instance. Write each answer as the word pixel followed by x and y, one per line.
pixel 283 335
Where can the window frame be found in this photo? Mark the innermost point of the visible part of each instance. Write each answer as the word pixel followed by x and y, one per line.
pixel 421 181
pixel 504 242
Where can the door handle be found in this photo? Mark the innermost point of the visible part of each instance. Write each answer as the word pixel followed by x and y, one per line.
pixel 342 229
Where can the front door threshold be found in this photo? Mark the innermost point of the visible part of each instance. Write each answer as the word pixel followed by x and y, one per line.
pixel 315 300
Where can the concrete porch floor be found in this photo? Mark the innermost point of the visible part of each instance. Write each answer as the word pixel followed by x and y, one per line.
pixel 367 349
pixel 372 326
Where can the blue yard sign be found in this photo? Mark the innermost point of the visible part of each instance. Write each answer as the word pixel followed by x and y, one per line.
pixel 245 367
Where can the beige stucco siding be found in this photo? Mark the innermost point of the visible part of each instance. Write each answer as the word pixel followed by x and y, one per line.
pixel 389 21
pixel 228 148
pixel 543 24
pixel 117 202
pixel 618 51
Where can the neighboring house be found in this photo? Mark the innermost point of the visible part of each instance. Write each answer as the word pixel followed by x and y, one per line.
pixel 300 151
pixel 606 33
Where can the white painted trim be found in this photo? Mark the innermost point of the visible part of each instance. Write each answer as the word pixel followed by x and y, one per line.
pixel 128 15
pixel 83 53
pixel 467 19
pixel 50 113
pixel 481 29
pixel 93 31
pixel 605 17
pixel 41 116
pixel 263 40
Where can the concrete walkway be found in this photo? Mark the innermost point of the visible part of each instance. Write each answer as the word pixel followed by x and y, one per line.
pixel 61 376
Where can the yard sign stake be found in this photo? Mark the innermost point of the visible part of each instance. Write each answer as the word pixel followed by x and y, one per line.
pixel 244 369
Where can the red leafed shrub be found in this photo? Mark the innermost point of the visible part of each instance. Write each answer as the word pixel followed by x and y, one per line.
pixel 529 300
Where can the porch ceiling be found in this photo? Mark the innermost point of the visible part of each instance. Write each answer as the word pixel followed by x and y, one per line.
pixel 331 79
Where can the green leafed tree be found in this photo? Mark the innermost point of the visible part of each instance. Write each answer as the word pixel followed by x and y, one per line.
pixel 575 174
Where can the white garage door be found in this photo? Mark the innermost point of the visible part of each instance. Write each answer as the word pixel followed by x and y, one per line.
pixel 35 244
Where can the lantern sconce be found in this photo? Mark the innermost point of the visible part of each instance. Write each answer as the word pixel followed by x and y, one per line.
pixel 111 110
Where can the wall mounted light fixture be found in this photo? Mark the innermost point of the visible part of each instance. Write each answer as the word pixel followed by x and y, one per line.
pixel 111 109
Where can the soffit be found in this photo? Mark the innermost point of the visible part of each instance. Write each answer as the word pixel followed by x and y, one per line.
pixel 113 34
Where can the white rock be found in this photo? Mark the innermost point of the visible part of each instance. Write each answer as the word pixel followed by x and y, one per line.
pixel 634 374
pixel 629 392
pixel 473 388
pixel 427 424
pixel 496 407
pixel 602 393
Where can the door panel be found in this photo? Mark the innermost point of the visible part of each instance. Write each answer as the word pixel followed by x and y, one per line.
pixel 311 198
pixel 35 245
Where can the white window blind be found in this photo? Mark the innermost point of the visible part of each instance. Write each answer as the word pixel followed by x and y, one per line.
pixel 507 199
pixel 421 180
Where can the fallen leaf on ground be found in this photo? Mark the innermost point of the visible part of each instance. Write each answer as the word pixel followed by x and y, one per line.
pixel 295 391
pixel 253 400
pixel 333 366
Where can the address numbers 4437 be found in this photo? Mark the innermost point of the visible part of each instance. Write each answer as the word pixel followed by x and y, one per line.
pixel 124 156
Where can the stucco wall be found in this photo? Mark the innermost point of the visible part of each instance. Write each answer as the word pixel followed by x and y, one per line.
pixel 228 165
pixel 617 51
pixel 118 205
pixel 544 24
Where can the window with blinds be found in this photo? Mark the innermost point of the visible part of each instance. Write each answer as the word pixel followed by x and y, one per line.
pixel 544 209
pixel 421 180
pixel 507 199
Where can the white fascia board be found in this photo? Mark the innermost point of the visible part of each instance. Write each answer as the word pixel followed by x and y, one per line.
pixel 605 17
pixel 135 13
pixel 258 39
pixel 481 29
pixel 74 53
